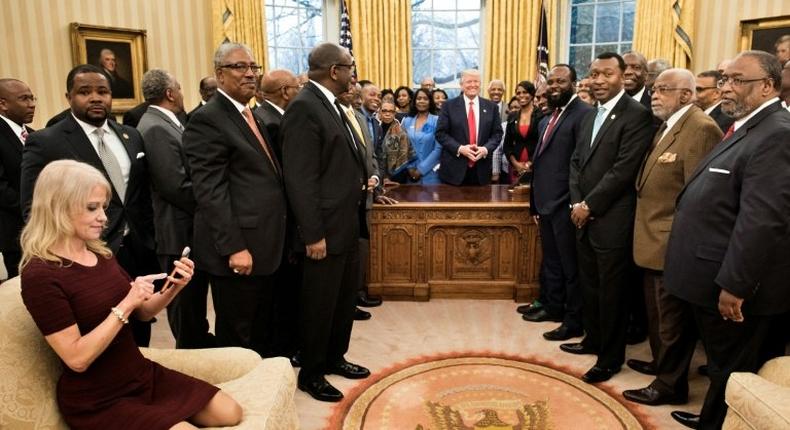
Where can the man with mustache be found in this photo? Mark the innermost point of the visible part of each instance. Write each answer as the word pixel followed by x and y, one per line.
pixel 727 251
pixel 88 134
pixel 240 219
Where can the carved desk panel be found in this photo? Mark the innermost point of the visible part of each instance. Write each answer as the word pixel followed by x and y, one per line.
pixel 460 242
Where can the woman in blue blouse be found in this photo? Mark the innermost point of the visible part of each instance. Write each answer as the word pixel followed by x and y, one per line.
pixel 420 125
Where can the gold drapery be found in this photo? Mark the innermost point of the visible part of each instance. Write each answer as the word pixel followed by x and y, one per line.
pixel 240 21
pixel 511 41
pixel 664 29
pixel 381 34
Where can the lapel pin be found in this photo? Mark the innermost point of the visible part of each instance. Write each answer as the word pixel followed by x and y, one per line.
pixel 484 111
pixel 125 136
pixel 613 117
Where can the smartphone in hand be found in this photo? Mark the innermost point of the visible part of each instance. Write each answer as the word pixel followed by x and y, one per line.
pixel 168 284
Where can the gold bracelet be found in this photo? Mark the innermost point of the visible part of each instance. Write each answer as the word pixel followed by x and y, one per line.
pixel 119 313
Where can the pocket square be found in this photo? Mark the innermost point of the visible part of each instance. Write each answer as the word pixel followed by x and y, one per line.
pixel 140 155
pixel 715 170
pixel 667 157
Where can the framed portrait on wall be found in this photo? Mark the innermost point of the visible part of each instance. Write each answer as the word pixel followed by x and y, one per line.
pixel 762 33
pixel 120 53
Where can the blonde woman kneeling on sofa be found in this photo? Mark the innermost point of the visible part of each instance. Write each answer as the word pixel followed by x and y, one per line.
pixel 81 299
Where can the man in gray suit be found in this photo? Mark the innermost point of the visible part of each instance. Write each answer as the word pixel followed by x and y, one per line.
pixel 173 203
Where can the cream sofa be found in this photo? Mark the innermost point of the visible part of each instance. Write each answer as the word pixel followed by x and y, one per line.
pixel 760 401
pixel 29 370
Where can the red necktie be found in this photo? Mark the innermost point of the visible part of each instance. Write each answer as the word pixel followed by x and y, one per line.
pixel 23 135
pixel 729 133
pixel 247 114
pixel 470 120
pixel 549 129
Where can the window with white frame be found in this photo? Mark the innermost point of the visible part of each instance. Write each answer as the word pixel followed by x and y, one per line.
pixel 599 26
pixel 445 40
pixel 293 28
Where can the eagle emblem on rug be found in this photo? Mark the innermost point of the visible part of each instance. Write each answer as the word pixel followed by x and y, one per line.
pixel 530 417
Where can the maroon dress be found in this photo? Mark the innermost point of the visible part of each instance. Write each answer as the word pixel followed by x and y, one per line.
pixel 121 388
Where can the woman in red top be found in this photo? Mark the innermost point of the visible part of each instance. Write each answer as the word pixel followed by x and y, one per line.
pixel 521 134
pixel 81 299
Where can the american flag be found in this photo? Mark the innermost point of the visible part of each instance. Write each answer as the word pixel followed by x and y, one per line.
pixel 345 28
pixel 543 47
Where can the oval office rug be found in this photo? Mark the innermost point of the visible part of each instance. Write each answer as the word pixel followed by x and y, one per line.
pixel 478 392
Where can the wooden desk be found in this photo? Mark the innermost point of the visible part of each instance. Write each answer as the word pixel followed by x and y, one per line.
pixel 459 242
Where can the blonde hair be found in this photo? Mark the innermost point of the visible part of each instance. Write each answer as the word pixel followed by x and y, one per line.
pixel 62 190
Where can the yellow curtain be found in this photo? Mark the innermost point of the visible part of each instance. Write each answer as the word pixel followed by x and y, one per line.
pixel 665 29
pixel 241 21
pixel 381 34
pixel 511 41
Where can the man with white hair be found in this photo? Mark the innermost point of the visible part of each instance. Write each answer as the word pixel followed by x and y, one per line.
pixel 685 137
pixel 121 89
pixel 469 129
pixel 428 83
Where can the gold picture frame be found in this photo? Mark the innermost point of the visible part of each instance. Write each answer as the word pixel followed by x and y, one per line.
pixel 762 33
pixel 99 45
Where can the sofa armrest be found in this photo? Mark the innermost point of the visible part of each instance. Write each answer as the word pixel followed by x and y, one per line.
pixel 777 371
pixel 757 401
pixel 215 365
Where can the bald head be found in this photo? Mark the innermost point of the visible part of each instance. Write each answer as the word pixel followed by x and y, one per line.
pixel 16 101
pixel 279 86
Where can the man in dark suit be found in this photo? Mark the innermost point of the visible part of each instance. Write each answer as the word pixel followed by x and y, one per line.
pixel 469 129
pixel 173 203
pixel 241 208
pixel 117 151
pixel 709 98
pixel 635 77
pixel 17 107
pixel 208 86
pixel 278 87
pixel 132 116
pixel 727 252
pixel 684 138
pixel 319 148
pixel 549 204
pixel 120 87
pixel 603 168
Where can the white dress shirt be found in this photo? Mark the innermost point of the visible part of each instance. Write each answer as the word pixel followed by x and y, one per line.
pixel 737 124
pixel 710 109
pixel 170 115
pixel 112 141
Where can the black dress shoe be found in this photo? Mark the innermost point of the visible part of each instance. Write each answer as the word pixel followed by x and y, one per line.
pixel 686 418
pixel 577 348
pixel 296 360
pixel 367 301
pixel 360 315
pixel 562 333
pixel 348 370
pixel 540 316
pixel 652 397
pixel 598 374
pixel 321 390
pixel 703 370
pixel 643 367
pixel 529 307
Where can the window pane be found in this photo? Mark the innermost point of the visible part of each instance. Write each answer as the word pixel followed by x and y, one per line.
pixel 443 29
pixel 422 30
pixel 628 21
pixel 468 30
pixel 582 1
pixel 422 65
pixel 582 24
pixel 580 58
pixel 292 29
pixel 607 23
pixel 444 66
pixel 445 4
pixel 421 5
pixel 599 49
pixel 625 47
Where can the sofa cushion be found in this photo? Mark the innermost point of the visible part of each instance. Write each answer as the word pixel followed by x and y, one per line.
pixel 757 402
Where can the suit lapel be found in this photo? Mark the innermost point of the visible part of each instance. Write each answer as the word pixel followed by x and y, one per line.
pixel 565 113
pixel 82 146
pixel 663 146
pixel 338 120
pixel 611 117
pixel 460 108
pixel 12 139
pixel 161 115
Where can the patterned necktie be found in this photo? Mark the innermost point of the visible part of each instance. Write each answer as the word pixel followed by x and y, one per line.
pixel 23 135
pixel 549 128
pixel 352 119
pixel 247 114
pixel 729 133
pixel 470 121
pixel 599 119
pixel 111 165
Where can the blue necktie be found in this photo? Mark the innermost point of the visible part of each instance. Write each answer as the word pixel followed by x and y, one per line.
pixel 599 119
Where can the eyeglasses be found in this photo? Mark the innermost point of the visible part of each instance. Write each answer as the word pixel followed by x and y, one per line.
pixel 298 87
pixel 664 90
pixel 701 89
pixel 737 82
pixel 243 67
pixel 386 111
pixel 351 67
